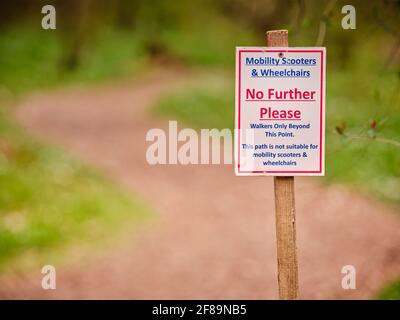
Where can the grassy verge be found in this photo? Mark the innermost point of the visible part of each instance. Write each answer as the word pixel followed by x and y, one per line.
pixel 391 292
pixel 48 199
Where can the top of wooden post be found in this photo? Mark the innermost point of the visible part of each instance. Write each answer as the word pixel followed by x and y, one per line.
pixel 277 38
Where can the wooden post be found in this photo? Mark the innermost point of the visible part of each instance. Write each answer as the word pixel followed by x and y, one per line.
pixel 285 212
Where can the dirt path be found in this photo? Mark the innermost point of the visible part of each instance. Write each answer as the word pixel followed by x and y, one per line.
pixel 215 237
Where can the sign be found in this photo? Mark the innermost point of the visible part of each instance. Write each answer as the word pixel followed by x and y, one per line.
pixel 280 111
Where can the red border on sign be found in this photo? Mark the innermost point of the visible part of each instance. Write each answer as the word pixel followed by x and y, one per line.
pixel 320 121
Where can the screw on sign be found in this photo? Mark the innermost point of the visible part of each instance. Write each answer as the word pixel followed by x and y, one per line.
pixel 280 131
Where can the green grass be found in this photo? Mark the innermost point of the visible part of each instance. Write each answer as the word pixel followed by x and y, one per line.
pixel 391 292
pixel 49 200
pixel 367 163
pixel 206 103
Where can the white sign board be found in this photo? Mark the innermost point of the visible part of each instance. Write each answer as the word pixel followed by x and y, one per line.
pixel 280 111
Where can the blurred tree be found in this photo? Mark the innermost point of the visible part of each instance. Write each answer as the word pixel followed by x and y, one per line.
pixel 387 16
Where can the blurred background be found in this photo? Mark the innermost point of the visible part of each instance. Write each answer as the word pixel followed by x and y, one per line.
pixel 75 104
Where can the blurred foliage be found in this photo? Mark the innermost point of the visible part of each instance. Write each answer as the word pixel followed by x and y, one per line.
pixel 96 39
pixel 103 39
pixel 30 59
pixel 391 292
